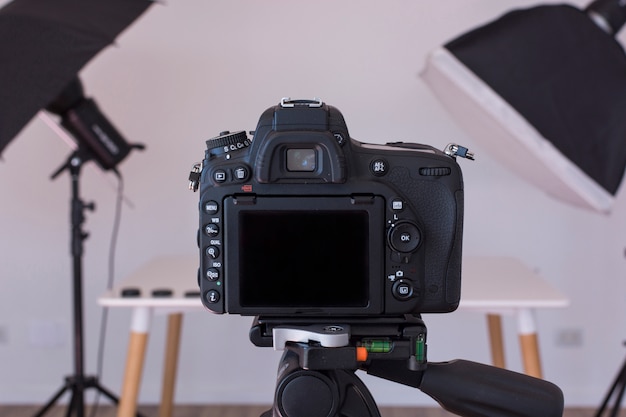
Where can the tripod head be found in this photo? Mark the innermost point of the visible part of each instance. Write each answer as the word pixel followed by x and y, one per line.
pixel 317 378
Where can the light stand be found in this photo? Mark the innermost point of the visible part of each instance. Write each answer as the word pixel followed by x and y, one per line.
pixel 78 383
pixel 97 139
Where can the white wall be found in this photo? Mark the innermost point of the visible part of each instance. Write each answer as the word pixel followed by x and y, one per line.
pixel 190 69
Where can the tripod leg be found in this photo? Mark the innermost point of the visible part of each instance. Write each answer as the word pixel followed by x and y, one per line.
pixel 620 380
pixel 107 393
pixel 72 404
pixel 618 399
pixel 53 400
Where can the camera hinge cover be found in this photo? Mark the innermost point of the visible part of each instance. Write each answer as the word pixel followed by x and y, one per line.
pixel 244 200
pixel 325 335
pixel 356 199
pixel 455 150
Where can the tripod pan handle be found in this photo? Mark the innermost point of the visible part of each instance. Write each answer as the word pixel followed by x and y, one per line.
pixel 472 389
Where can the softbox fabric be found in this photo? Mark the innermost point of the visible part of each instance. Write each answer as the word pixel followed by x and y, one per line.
pixel 43 46
pixel 564 77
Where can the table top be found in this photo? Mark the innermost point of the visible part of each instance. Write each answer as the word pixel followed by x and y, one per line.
pixel 174 277
pixel 487 283
pixel 505 282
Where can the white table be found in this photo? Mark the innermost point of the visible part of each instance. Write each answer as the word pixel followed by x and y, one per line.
pixel 168 273
pixel 502 285
pixel 494 286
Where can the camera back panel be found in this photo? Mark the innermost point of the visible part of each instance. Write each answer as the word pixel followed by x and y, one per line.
pixel 305 221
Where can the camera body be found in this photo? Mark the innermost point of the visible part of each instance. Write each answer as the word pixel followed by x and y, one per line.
pixel 304 221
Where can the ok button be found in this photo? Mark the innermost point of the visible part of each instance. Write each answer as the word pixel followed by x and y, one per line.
pixel 404 237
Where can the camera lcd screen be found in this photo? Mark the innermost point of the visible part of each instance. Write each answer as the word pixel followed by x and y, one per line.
pixel 304 259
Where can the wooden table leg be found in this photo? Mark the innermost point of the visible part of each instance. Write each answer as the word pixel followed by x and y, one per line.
pixel 134 361
pixel 529 343
pixel 171 361
pixel 494 322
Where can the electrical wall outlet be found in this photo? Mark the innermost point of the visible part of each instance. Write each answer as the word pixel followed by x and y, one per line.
pixel 569 337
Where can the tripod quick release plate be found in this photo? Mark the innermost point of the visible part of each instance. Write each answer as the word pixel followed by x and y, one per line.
pixel 325 335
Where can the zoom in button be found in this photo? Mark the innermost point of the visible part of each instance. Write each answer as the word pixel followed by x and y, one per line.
pixel 212 252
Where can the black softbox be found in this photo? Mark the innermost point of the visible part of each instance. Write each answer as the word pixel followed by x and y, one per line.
pixel 544 89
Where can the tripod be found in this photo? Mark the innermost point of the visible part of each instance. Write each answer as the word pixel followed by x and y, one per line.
pixel 78 383
pixel 316 374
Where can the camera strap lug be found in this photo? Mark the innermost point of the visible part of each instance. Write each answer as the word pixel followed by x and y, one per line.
pixel 455 150
pixel 289 102
pixel 194 177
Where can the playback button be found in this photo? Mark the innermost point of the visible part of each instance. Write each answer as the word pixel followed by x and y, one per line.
pixel 219 176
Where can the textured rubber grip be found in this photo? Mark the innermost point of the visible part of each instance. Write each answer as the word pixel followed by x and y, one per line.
pixel 472 389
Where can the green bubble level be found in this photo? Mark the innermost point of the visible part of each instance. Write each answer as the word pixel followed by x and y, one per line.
pixel 420 348
pixel 378 346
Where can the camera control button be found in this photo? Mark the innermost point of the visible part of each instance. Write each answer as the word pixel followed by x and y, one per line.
pixel 212 296
pixel 379 167
pixel 397 204
pixel 402 289
pixel 241 173
pixel 341 140
pixel 211 207
pixel 212 274
pixel 219 175
pixel 211 229
pixel 212 252
pixel 404 237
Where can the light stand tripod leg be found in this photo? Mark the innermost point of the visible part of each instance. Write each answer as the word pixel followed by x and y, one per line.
pixel 618 400
pixel 619 385
pixel 53 400
pixel 72 405
pixel 106 393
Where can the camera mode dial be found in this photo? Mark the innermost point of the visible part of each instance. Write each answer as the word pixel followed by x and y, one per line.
pixel 227 142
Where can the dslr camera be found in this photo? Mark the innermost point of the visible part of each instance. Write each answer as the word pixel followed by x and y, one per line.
pixel 302 221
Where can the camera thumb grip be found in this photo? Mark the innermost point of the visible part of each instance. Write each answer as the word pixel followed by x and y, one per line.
pixel 472 389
